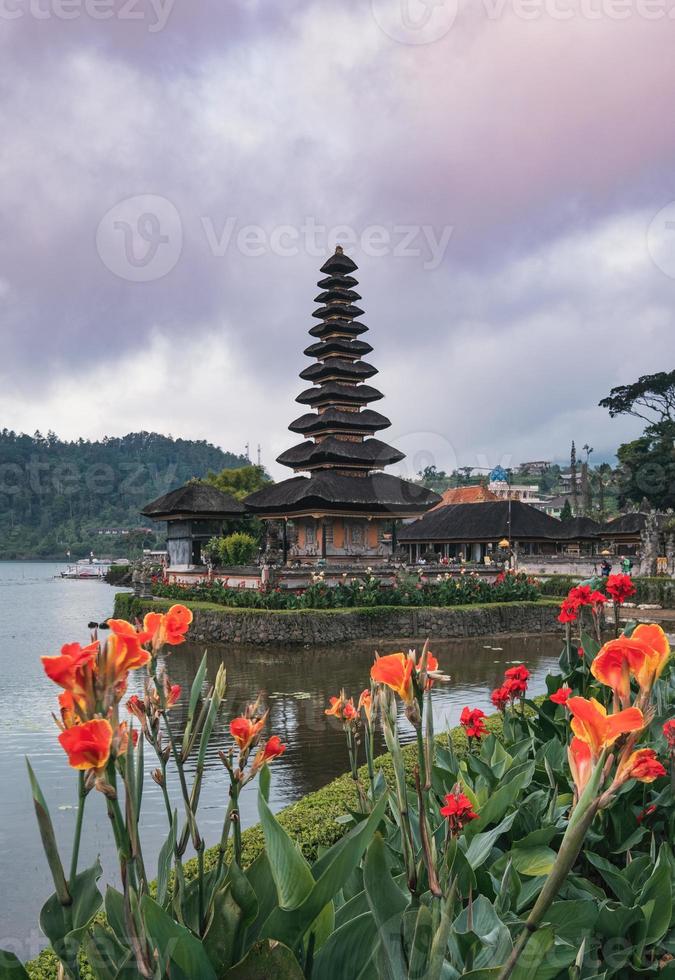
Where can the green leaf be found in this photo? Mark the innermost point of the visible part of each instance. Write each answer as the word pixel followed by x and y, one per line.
pixel 616 920
pixel 533 861
pixel 612 877
pixel 504 797
pixel 481 845
pixel 164 863
pixel 387 903
pixel 109 959
pixel 348 950
pixel 531 960
pixel 571 920
pixel 174 943
pixel 656 899
pixel 65 926
pixel 289 926
pixel 114 911
pixel 267 960
pixel 195 692
pixel 291 871
pixel 418 953
pixel 11 967
pixel 48 838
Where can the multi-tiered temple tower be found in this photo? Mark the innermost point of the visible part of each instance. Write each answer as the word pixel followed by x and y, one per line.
pixel 346 509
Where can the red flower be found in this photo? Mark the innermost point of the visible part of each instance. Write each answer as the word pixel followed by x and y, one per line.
pixel 620 588
pixel 458 811
pixel 647 812
pixel 569 609
pixel 271 750
pixel 516 679
pixel 342 708
pixel 669 732
pixel 642 765
pixel 598 599
pixel 501 696
pixel 245 731
pixel 561 695
pixel 581 594
pixel 88 745
pixel 472 722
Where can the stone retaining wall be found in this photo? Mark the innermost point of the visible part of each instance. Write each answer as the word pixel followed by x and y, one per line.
pixel 310 626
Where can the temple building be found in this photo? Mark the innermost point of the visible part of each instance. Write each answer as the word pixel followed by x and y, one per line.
pixel 194 514
pixel 346 509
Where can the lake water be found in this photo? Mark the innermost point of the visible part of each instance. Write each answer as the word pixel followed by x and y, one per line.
pixel 39 612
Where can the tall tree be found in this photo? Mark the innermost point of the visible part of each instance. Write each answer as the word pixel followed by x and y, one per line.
pixel 648 463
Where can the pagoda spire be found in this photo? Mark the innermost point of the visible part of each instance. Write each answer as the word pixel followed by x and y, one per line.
pixel 338 435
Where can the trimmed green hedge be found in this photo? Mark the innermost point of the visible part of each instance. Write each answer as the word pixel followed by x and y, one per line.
pixel 128 606
pixel 311 822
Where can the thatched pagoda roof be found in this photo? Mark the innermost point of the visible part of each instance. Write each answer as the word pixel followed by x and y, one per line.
pixel 579 528
pixel 194 500
pixel 482 522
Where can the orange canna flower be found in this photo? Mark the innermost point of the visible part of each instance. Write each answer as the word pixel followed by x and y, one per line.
pixel 658 653
pixel 643 765
pixel 395 670
pixel 617 661
pixel 366 702
pixel 561 696
pixel 580 762
pixel 174 694
pixel 88 745
pixel 68 669
pixel 593 725
pixel 342 708
pixel 244 731
pixel 124 653
pixel 169 627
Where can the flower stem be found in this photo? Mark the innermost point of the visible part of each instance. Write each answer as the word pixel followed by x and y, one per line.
pixel 81 797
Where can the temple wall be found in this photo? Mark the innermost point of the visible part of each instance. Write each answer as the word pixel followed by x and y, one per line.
pixel 260 627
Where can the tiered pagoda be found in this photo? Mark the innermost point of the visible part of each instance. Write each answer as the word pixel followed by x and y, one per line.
pixel 347 508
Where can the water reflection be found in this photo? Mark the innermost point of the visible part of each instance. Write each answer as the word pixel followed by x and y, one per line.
pixel 38 614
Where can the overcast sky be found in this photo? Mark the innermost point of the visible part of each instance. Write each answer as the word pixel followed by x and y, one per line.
pixel 172 175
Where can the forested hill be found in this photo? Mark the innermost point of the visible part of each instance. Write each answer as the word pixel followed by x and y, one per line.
pixel 57 496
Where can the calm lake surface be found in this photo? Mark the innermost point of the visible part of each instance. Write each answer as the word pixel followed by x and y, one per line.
pixel 38 613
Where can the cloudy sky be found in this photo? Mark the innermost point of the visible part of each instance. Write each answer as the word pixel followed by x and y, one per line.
pixel 173 174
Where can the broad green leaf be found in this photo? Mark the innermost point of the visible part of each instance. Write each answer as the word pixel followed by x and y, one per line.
pixel 290 925
pixel 174 943
pixel 481 845
pixel 267 960
pixel 195 692
pixel 65 926
pixel 504 797
pixel 572 919
pixel 613 878
pixel 533 861
pixel 531 961
pixel 347 950
pixel 291 871
pixel 418 954
pixel 114 911
pixel 387 903
pixel 656 899
pixel 615 920
pixel 109 959
pixel 11 967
